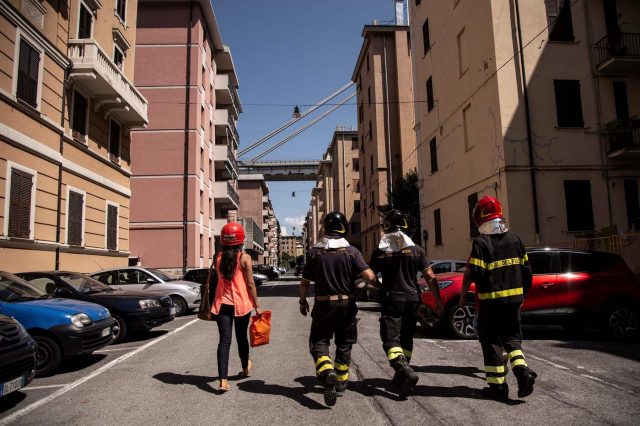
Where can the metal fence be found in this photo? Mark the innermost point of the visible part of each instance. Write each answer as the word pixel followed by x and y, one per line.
pixel 625 45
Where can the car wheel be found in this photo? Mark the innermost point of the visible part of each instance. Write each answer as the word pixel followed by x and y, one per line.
pixel 622 322
pixel 460 321
pixel 119 329
pixel 180 304
pixel 48 356
pixel 258 283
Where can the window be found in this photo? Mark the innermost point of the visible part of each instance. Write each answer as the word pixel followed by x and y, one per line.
pixel 466 124
pixel 371 163
pixel 201 201
pixel 118 57
pixel 463 66
pixel 354 142
pixel 369 95
pixel 202 160
pixel 201 246
pixel 79 116
pixel 621 100
pixel 430 101
pixel 360 114
pixel 114 140
pixel 633 203
pixel 417 2
pixel 28 71
pixel 121 9
pixel 20 203
pixel 75 213
pixel 559 20
pixel 85 22
pixel 577 195
pixel 356 206
pixel 355 227
pixel 472 200
pixel 112 227
pixel 356 164
pixel 540 262
pixel 568 103
pixel 370 130
pixel 437 226
pixel 210 170
pixel 434 155
pixel 425 36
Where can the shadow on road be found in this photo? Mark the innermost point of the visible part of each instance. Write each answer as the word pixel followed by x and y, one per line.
pixel 10 401
pixel 298 394
pixel 77 363
pixel 143 336
pixel 279 290
pixel 450 369
pixel 201 382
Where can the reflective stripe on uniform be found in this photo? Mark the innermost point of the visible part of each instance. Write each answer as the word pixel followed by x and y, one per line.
pixel 501 293
pixel 324 367
pixel 407 353
pixel 341 367
pixel 517 358
pixel 494 369
pixel 517 362
pixel 343 377
pixel 323 363
pixel 496 380
pixel 515 353
pixel 499 263
pixel 394 353
pixel 322 359
pixel 477 262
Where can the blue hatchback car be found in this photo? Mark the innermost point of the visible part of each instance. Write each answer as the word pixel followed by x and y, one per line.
pixel 61 327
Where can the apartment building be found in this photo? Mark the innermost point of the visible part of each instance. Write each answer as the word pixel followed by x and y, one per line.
pixel 67 106
pixel 384 80
pixel 337 186
pixel 535 103
pixel 291 245
pixel 256 206
pixel 185 168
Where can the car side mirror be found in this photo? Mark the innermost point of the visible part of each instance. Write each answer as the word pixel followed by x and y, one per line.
pixel 151 281
pixel 62 292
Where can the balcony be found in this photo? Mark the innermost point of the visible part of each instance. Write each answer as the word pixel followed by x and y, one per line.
pixel 217 225
pixel 227 93
pixel 623 139
pixel 223 191
pixel 225 125
pixel 223 154
pixel 254 237
pixel 621 56
pixel 112 94
pixel 265 200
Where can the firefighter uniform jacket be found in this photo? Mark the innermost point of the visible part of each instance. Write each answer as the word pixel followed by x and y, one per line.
pixel 334 270
pixel 400 269
pixel 500 268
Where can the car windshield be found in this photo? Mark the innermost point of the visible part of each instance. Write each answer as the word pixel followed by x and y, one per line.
pixel 84 284
pixel 161 275
pixel 14 289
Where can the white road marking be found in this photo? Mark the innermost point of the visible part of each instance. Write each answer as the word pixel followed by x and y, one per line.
pixel 44 387
pixel 115 349
pixel 20 413
pixel 561 367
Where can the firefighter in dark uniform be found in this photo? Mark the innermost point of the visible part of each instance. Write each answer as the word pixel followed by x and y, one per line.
pixel 334 265
pixel 499 266
pixel 399 260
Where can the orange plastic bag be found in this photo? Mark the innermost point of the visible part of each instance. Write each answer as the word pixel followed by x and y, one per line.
pixel 260 329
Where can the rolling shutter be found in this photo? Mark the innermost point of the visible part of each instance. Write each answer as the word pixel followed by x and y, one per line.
pixel 20 204
pixel 112 227
pixel 28 68
pixel 74 233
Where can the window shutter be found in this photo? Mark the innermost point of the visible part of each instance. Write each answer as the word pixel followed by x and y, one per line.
pixel 430 100
pixel 112 227
pixel 114 140
pixel 28 68
pixel 20 204
pixel 74 232
pixel 79 123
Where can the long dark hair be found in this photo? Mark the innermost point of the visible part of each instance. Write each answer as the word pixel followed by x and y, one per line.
pixel 229 260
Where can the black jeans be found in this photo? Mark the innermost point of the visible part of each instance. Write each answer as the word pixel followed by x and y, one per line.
pixel 225 320
pixel 398 324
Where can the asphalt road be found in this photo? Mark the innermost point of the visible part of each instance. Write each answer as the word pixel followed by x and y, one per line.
pixel 169 376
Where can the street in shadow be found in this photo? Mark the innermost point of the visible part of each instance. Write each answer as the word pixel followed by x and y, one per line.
pixel 201 382
pixel 77 363
pixel 10 401
pixel 309 385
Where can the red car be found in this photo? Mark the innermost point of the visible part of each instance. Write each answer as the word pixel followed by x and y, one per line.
pixel 572 288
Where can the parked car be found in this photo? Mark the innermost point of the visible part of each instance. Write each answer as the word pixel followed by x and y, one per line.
pixel 282 270
pixel 17 356
pixel 131 310
pixel 185 295
pixel 60 327
pixel 572 288
pixel 200 276
pixel 449 265
pixel 267 270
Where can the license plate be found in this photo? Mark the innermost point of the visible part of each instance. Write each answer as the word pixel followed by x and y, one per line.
pixel 13 385
pixel 172 311
pixel 105 332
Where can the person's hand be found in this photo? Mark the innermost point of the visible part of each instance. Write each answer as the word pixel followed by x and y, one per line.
pixel 258 311
pixel 304 307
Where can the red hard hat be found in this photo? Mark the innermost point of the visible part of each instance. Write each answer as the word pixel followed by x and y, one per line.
pixel 232 234
pixel 488 208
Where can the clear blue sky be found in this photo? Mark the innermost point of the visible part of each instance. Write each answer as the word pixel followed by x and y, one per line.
pixel 294 52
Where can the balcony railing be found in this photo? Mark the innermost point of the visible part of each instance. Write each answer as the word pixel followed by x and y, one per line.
pixel 625 46
pixel 228 92
pixel 233 194
pixel 254 237
pixel 232 159
pixel 622 136
pixel 106 81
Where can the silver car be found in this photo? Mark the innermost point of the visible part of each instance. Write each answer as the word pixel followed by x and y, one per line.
pixel 184 294
pixel 441 266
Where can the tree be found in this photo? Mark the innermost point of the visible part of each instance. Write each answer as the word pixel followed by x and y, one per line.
pixel 406 198
pixel 285 258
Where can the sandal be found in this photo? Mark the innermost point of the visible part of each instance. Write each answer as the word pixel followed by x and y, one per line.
pixel 246 372
pixel 224 387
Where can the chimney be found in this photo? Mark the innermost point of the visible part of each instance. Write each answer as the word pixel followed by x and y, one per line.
pixel 399 12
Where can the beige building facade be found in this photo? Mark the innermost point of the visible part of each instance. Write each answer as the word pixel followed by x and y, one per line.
pixel 67 107
pixel 256 211
pixel 384 80
pixel 535 103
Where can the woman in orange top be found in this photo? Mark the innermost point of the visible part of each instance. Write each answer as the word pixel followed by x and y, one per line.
pixel 234 299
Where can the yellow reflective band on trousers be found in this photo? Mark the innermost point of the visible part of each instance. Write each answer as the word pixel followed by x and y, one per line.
pixel 342 370
pixel 496 380
pixel 324 367
pixel 492 369
pixel 322 359
pixel 407 353
pixel 343 377
pixel 517 362
pixel 394 353
pixel 517 352
pixel 501 293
